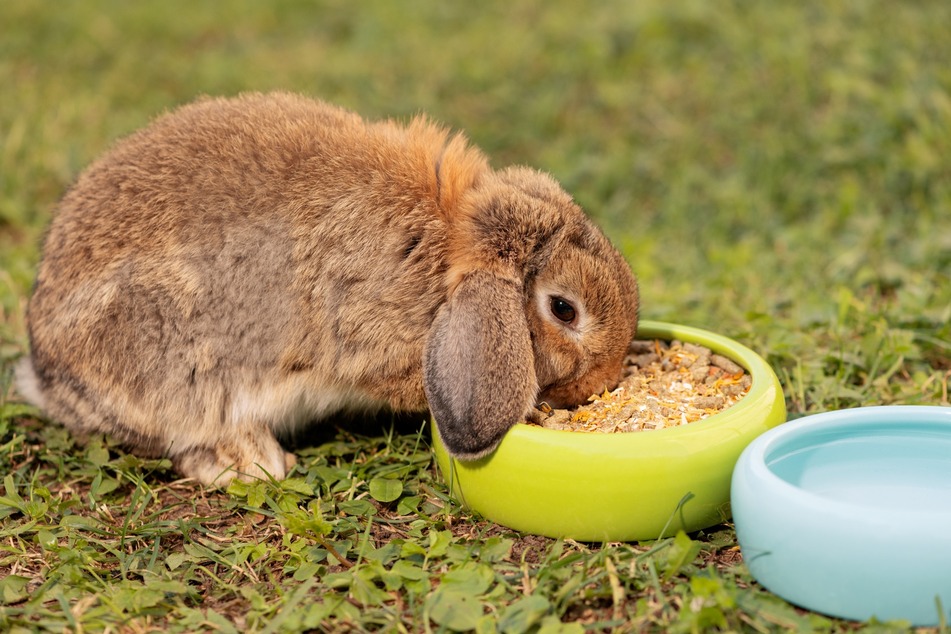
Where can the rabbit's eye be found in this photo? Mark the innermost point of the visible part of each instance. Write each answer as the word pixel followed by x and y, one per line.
pixel 562 309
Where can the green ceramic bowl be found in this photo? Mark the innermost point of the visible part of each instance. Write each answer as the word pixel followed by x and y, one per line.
pixel 626 486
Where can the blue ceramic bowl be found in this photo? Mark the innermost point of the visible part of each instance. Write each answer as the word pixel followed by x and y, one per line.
pixel 849 512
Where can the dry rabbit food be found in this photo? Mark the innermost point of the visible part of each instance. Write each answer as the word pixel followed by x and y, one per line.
pixel 664 384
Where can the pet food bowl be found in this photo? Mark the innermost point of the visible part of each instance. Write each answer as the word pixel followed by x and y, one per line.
pixel 848 513
pixel 593 486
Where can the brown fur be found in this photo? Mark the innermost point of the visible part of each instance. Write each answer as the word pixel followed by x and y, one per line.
pixel 246 265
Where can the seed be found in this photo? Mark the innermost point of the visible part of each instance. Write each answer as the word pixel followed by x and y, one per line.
pixel 725 364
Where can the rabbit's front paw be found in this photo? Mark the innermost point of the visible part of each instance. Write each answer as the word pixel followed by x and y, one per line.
pixel 257 459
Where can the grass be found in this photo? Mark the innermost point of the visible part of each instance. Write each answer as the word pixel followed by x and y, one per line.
pixel 777 172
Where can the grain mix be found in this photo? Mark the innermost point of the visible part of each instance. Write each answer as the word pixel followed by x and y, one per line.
pixel 664 384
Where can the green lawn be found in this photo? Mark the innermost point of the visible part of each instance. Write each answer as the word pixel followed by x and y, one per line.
pixel 776 172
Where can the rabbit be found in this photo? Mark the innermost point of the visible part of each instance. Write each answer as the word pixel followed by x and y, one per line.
pixel 245 265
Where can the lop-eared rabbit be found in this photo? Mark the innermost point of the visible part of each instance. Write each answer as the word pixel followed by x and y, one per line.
pixel 243 266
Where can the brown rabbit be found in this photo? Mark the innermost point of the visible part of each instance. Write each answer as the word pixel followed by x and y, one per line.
pixel 243 266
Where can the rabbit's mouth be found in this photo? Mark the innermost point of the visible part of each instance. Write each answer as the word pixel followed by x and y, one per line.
pixel 571 393
pixel 552 395
pixel 562 396
pixel 545 403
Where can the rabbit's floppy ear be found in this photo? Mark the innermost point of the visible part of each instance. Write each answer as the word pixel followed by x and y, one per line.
pixel 479 371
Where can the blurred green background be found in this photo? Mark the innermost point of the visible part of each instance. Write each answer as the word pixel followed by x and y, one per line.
pixel 777 172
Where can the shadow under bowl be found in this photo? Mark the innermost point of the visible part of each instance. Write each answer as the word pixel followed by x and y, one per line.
pixel 592 486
